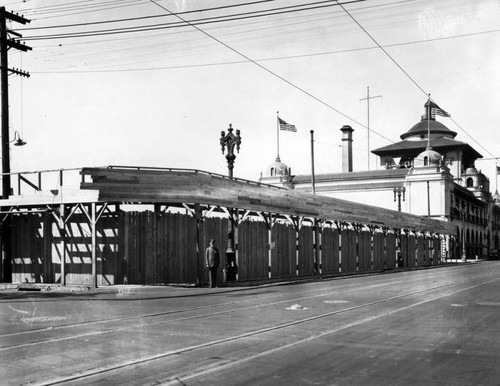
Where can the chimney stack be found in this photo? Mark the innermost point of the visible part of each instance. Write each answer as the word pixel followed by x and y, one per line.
pixel 346 148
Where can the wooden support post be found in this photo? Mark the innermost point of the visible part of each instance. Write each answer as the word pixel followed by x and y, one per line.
pixel 268 219
pixel 372 245
pixel 357 230
pixel 236 219
pixel 269 255
pixel 398 245
pixel 199 249
pixel 386 231
pixel 94 244
pixel 318 246
pixel 339 227
pixel 62 233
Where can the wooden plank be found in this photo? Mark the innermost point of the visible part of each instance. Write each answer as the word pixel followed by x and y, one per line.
pixel 420 250
pixel 306 251
pixel 231 193
pixel 390 251
pixel 378 251
pixel 364 251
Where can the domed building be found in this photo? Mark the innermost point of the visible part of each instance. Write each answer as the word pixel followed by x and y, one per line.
pixel 429 133
pixel 428 173
pixel 277 173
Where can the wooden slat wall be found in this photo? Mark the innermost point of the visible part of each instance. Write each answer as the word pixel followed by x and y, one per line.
pixel 253 250
pixel 378 251
pixel 348 247
pixel 149 247
pixel 283 251
pixel 436 257
pixel 404 250
pixel 27 250
pixel 390 261
pixel 306 251
pixel 364 251
pixel 330 251
pixel 420 250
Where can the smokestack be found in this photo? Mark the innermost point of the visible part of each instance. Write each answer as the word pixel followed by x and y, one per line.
pixel 346 148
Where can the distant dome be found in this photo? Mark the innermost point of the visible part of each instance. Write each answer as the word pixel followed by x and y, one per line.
pixel 421 129
pixel 277 169
pixel 428 157
pixel 471 171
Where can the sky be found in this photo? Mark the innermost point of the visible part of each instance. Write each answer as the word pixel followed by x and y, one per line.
pixel 161 97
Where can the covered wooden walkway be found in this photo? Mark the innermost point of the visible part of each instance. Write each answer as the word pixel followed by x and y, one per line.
pixel 88 221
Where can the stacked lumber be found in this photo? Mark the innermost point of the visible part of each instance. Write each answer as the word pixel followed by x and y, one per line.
pixel 148 186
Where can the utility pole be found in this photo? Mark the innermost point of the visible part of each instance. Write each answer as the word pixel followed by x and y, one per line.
pixel 367 99
pixel 7 42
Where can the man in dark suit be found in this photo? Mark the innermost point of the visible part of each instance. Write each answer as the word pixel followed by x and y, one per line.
pixel 213 261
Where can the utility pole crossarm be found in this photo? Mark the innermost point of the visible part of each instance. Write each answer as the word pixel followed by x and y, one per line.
pixel 17 45
pixel 17 72
pixel 13 16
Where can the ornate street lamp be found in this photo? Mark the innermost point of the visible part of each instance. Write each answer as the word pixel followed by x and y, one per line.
pixel 398 191
pixel 230 141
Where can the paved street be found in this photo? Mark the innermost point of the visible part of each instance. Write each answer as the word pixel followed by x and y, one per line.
pixel 427 327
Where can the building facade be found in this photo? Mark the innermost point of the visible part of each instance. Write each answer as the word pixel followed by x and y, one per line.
pixel 427 173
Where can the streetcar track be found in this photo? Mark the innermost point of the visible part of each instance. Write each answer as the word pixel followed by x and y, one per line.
pixel 179 378
pixel 142 325
pixel 190 309
pixel 129 363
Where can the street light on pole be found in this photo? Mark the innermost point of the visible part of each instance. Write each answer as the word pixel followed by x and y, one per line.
pixel 398 191
pixel 230 141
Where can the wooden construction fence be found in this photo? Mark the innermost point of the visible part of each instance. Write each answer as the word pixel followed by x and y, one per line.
pixel 150 248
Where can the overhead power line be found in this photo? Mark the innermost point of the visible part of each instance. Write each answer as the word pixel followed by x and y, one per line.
pixel 404 71
pixel 234 62
pixel 267 70
pixel 201 21
pixel 150 16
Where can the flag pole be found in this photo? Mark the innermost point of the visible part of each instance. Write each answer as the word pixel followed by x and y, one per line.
pixel 429 122
pixel 313 179
pixel 278 137
pixel 496 178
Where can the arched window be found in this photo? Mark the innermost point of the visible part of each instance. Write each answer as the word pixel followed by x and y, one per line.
pixel 272 172
pixel 470 182
pixel 426 161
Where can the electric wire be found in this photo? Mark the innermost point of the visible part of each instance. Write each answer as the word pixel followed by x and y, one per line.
pixel 287 57
pixel 270 71
pixel 314 54
pixel 185 23
pixel 147 17
pixel 404 71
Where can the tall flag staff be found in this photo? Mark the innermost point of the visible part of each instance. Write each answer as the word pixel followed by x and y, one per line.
pixel 496 178
pixel 432 110
pixel 282 125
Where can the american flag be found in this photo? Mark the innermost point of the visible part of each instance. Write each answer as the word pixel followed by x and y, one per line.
pixel 286 126
pixel 436 110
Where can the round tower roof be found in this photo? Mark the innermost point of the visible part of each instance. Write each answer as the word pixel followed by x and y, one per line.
pixel 421 129
pixel 428 157
pixel 471 170
pixel 277 169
